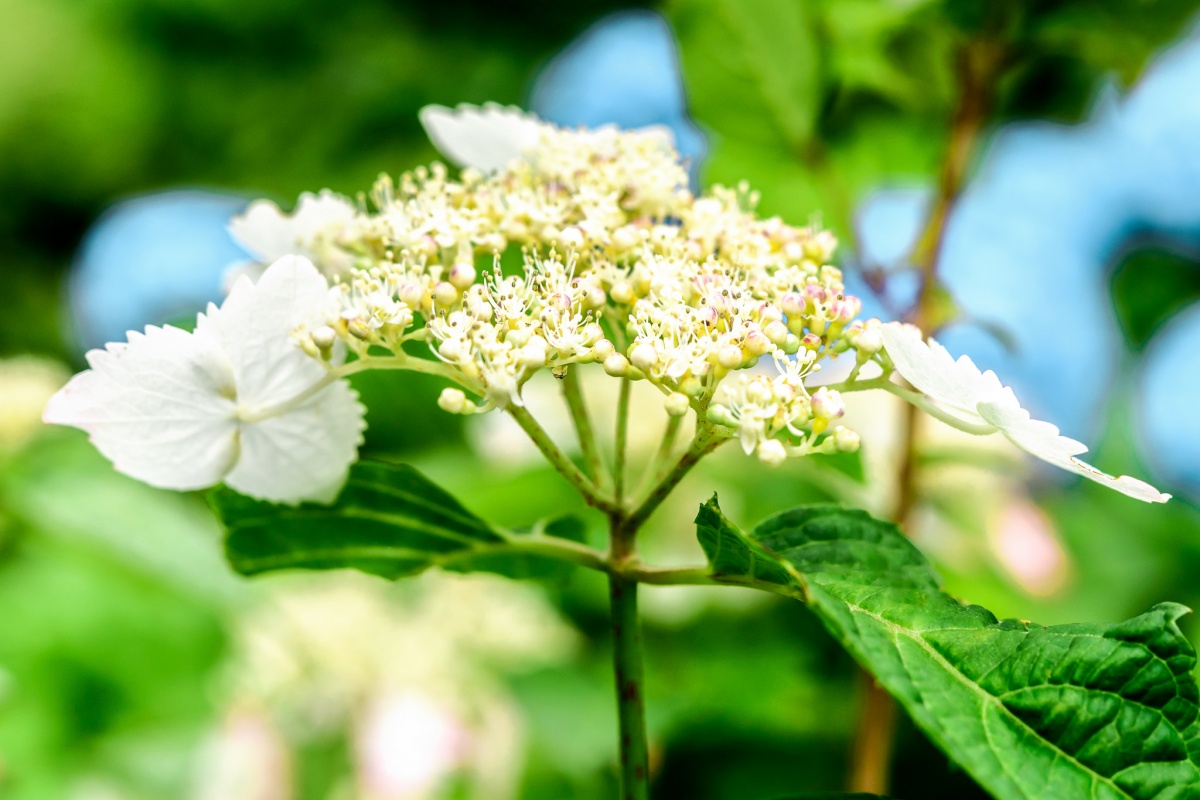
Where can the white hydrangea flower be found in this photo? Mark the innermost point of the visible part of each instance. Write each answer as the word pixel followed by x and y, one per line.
pixel 979 398
pixel 235 401
pixel 312 231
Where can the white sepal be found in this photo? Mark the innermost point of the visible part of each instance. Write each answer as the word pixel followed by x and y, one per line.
pixel 235 400
pixel 979 398
pixel 486 138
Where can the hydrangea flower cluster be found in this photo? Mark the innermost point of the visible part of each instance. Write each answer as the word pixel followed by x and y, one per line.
pixel 552 249
pixel 600 253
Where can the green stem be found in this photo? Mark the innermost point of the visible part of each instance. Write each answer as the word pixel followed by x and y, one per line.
pixel 559 460
pixel 630 685
pixel 583 424
pixel 627 660
pixel 657 468
pixel 917 399
pixel 708 438
pixel 621 441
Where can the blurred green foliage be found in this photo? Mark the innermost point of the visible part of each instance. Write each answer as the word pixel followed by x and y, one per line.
pixel 115 611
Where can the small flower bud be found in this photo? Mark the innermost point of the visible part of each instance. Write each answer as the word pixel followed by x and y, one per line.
pixel 444 294
pixel 601 350
pixel 570 237
pixel 771 452
pixel 845 440
pixel 357 329
pixel 777 333
pixel 730 356
pixel 324 337
pixel 309 348
pixel 811 341
pixel 411 295
pixel 691 386
pixel 462 275
pixel 869 341
pixel 827 404
pixel 677 404
pixel 793 304
pixel 593 297
pixel 643 356
pixel 451 350
pixel 622 293
pixel 756 343
pixel 616 365
pixel 720 415
pixel 791 344
pixel 452 400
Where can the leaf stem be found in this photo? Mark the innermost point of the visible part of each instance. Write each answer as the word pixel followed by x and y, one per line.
pixel 583 425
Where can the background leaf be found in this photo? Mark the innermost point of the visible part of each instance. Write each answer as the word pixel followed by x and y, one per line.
pixel 1032 712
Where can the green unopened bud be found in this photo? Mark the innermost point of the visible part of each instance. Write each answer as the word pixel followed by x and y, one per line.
pixel 720 415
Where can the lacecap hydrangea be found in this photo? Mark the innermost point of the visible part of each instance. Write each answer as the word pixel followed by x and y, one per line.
pixel 550 250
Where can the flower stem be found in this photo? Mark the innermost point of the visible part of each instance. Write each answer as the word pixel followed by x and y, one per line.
pixel 583 425
pixel 558 459
pixel 708 438
pixel 657 468
pixel 621 441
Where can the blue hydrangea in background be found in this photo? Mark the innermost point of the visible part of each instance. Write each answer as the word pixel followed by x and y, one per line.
pixel 150 260
pixel 623 70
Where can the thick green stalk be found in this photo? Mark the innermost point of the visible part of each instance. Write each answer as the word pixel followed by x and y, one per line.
pixel 631 701
pixel 627 660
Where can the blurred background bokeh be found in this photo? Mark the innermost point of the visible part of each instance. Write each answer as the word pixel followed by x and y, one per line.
pixel 135 666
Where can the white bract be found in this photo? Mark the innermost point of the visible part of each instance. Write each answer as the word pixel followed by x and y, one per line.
pixel 978 398
pixel 490 137
pixel 313 230
pixel 236 400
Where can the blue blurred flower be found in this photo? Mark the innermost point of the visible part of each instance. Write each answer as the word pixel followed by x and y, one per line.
pixel 1030 243
pixel 150 260
pixel 623 70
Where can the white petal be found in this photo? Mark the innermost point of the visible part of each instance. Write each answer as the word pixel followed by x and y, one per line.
pixel 254 326
pixel 933 371
pixel 264 230
pixel 269 234
pixel 487 138
pixel 304 453
pixel 159 407
pixel 1041 439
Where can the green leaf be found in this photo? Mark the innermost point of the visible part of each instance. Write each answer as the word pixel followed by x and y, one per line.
pixel 390 521
pixel 754 66
pixel 1031 712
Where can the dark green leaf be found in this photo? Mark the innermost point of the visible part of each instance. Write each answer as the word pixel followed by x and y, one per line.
pixel 1031 712
pixel 389 520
